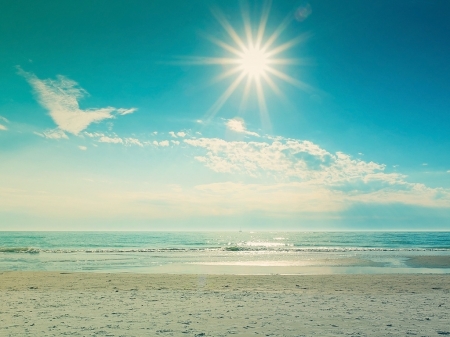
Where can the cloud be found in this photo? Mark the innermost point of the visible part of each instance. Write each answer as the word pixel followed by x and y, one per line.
pixel 290 158
pixel 176 142
pixel 122 111
pixel 3 127
pixel 114 140
pixel 52 134
pixel 173 134
pixel 181 134
pixel 82 148
pixel 94 134
pixel 164 143
pixel 238 125
pixel 60 97
pixel 305 164
pixel 133 141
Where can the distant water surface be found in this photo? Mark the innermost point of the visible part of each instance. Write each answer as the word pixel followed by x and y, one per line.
pixel 224 252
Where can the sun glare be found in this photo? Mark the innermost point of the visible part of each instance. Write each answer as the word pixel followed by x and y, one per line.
pixel 252 60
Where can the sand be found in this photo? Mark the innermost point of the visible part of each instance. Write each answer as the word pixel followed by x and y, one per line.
pixel 93 304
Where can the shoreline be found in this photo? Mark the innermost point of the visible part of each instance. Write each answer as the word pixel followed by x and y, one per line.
pixel 355 283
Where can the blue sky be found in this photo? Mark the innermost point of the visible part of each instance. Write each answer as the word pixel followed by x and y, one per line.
pixel 111 115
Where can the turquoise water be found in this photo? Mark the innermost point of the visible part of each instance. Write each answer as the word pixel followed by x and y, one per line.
pixel 221 252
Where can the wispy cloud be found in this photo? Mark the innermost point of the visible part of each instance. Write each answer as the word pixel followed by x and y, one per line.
pixel 82 148
pixel 60 97
pixel 4 120
pixel 52 134
pixel 122 111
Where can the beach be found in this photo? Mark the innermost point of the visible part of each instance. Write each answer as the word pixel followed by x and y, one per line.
pixel 127 304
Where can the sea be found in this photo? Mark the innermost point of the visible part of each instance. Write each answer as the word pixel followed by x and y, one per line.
pixel 239 252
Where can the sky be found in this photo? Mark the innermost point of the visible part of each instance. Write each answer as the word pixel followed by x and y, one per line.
pixel 225 115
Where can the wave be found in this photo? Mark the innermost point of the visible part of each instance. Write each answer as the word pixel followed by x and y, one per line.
pixel 19 250
pixel 237 248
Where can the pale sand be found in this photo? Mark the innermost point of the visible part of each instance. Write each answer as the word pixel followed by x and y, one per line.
pixel 89 304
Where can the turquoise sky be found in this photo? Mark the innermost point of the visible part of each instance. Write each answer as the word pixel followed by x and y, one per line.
pixel 187 115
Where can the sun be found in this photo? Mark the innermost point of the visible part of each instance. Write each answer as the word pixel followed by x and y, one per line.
pixel 253 59
pixel 254 62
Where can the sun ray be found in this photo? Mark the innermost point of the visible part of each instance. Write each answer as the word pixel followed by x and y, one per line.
pixel 290 61
pixel 247 26
pixel 246 93
pixel 226 74
pixel 262 105
pixel 222 99
pixel 229 29
pixel 291 80
pixel 273 86
pixel 224 45
pixel 276 33
pixel 263 24
pixel 200 60
pixel 287 45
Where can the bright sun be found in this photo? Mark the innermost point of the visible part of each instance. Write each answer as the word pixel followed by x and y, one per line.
pixel 252 59
pixel 254 62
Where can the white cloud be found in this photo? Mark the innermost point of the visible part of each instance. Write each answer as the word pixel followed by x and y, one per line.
pixel 3 128
pixel 133 141
pixel 82 148
pixel 114 140
pixel 176 142
pixel 337 175
pixel 238 125
pixel 155 132
pixel 60 97
pixel 4 119
pixel 173 134
pixel 164 143
pixel 94 135
pixel 122 111
pixel 291 158
pixel 102 138
pixel 52 134
pixel 181 134
pixel 425 164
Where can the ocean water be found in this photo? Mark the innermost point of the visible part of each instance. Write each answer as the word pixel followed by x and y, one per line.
pixel 223 252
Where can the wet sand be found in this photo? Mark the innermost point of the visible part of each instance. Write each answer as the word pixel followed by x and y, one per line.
pixel 94 304
pixel 429 262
